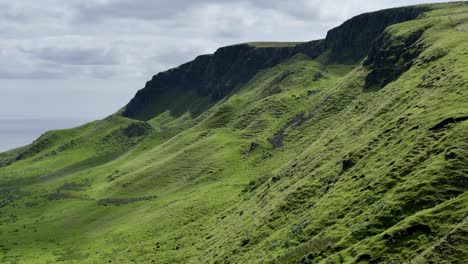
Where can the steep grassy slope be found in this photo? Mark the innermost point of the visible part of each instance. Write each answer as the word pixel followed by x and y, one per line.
pixel 318 152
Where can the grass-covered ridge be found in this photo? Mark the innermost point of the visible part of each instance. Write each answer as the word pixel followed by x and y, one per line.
pixel 304 158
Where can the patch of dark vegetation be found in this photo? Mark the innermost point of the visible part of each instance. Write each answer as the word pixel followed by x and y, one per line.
pixel 84 164
pixel 311 92
pixel 4 249
pixel 282 76
pixel 266 155
pixel 412 230
pixel 31 204
pixel 254 184
pixel 430 79
pixel 251 148
pixel 299 198
pixel 445 251
pixel 69 145
pixel 37 146
pixel 298 120
pixel 245 242
pixel 434 54
pixel 444 123
pixel 71 186
pixel 72 255
pixel 310 251
pixel 363 257
pixel 277 140
pixel 318 76
pixel 298 229
pixel 60 196
pixel 366 188
pixel 450 155
pixel 9 157
pixel 113 176
pixel 124 201
pixel 272 90
pixel 221 116
pixel 391 56
pixel 275 178
pixel 137 129
pixel 9 197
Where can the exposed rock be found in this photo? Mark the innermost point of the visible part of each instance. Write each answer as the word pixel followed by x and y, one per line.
pixel 346 165
pixel 351 41
pixel 277 140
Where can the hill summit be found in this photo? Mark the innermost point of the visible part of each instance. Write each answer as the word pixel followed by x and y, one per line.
pixel 350 149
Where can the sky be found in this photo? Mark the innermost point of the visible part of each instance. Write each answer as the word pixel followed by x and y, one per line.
pixel 84 59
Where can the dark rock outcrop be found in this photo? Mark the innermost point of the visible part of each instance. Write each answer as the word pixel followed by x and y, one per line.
pixel 346 165
pixel 351 41
pixel 277 139
pixel 211 77
pixel 391 56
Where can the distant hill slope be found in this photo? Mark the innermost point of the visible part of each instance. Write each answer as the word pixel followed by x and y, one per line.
pixel 351 149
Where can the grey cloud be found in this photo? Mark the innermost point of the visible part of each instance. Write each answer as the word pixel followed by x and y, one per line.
pixel 76 56
pixel 29 74
pixel 165 9
pixel 137 38
pixel 136 9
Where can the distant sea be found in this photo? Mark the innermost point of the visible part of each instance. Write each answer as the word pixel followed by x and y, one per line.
pixel 19 131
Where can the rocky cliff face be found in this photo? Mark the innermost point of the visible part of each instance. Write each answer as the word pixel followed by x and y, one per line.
pixel 351 41
pixel 212 77
pixel 391 56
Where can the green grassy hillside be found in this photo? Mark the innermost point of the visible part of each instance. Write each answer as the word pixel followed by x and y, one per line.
pixel 317 152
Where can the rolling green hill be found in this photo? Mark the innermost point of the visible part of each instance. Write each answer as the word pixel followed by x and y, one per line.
pixel 350 149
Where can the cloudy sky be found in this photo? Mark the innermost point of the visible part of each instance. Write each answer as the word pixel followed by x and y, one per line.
pixel 83 59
